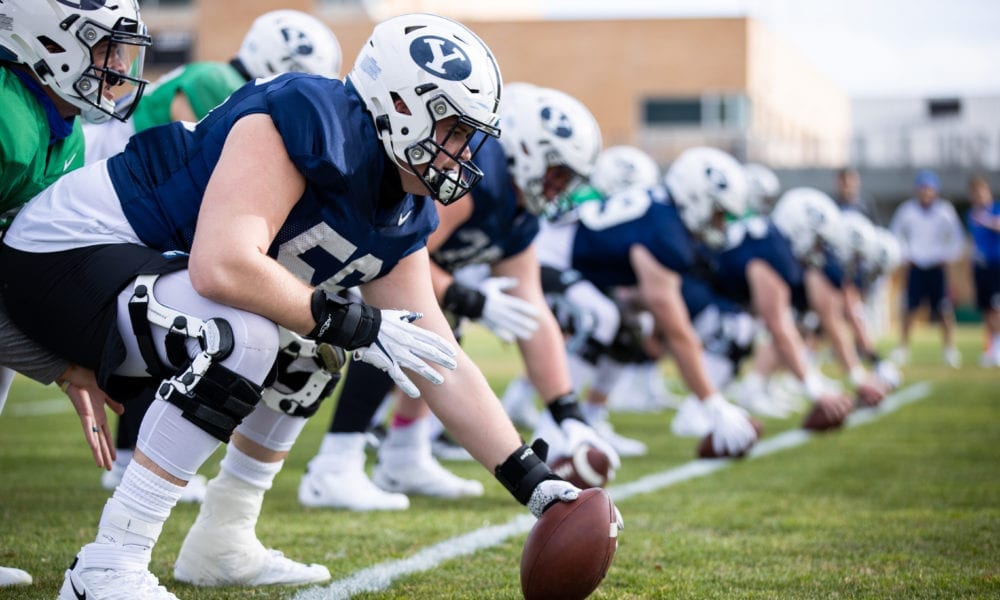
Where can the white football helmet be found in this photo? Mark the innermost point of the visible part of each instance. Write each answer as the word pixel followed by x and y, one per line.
pixel 763 187
pixel 704 184
pixel 619 168
pixel 811 222
pixel 857 239
pixel 545 128
pixel 54 39
pixel 439 69
pixel 885 254
pixel 290 41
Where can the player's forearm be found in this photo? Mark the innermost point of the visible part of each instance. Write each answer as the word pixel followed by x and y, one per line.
pixel 544 356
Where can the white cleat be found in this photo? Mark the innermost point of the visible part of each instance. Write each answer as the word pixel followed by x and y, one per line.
pixel 425 477
pixel 222 547
pixel 623 446
pixel 691 419
pixel 900 356
pixel 952 357
pixel 11 576
pixel 194 491
pixel 82 583
pixel 349 489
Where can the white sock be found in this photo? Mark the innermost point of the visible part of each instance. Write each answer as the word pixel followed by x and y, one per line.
pixel 594 413
pixel 248 469
pixel 405 445
pixel 340 453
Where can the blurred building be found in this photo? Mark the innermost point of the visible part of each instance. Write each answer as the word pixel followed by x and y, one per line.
pixel 661 84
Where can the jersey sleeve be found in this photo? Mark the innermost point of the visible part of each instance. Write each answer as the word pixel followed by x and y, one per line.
pixel 310 120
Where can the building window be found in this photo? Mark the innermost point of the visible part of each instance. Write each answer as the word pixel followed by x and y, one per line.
pixel 939 108
pixel 711 110
pixel 679 111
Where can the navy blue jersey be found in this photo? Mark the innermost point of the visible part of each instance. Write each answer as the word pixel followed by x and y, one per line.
pixel 497 228
pixel 832 270
pixel 750 239
pixel 699 294
pixel 353 222
pixel 609 228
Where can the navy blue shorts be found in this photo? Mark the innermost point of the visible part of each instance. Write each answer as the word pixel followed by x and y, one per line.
pixel 987 286
pixel 927 285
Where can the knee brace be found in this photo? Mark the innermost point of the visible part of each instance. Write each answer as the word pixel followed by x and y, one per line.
pixel 305 373
pixel 209 395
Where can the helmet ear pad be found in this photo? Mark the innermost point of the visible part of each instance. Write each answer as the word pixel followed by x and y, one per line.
pixel 56 40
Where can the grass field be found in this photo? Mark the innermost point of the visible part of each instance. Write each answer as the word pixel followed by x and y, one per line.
pixel 907 506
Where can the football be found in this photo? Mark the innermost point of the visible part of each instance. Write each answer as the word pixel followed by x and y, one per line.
pixel 570 548
pixel 827 413
pixel 706 450
pixel 587 468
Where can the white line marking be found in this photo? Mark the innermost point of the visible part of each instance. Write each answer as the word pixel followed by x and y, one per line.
pixel 379 577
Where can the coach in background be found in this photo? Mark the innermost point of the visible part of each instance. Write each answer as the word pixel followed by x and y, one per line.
pixel 931 235
pixel 984 225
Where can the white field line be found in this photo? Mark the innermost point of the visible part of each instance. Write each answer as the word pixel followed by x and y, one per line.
pixel 380 577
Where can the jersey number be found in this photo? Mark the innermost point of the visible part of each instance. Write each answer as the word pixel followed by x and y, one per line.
pixel 322 257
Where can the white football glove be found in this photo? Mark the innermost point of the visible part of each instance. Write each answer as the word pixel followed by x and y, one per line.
pixel 549 492
pixel 732 432
pixel 888 373
pixel 509 317
pixel 401 344
pixel 577 433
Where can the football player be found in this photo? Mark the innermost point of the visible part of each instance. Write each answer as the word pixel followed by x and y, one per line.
pixel 278 41
pixel 550 141
pixel 214 235
pixel 58 62
pixel 647 239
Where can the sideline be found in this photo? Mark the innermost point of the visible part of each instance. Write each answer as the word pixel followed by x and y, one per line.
pixel 379 577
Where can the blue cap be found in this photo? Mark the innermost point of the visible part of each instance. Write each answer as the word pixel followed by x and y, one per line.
pixel 927 178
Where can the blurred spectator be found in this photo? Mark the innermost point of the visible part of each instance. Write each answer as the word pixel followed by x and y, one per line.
pixel 931 235
pixel 984 225
pixel 849 197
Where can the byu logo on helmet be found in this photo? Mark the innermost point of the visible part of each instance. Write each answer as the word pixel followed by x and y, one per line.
pixel 717 177
pixel 441 58
pixel 84 4
pixel 297 40
pixel 556 122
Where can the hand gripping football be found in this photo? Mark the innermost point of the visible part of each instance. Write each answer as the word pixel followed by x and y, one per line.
pixel 570 548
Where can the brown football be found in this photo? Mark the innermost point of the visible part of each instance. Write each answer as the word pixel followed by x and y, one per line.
pixel 570 548
pixel 819 419
pixel 587 468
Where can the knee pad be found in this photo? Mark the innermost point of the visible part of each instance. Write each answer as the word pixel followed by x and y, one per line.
pixel 305 373
pixel 209 395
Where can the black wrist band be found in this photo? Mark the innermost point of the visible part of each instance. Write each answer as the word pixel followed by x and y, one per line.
pixel 524 470
pixel 566 407
pixel 350 325
pixel 464 301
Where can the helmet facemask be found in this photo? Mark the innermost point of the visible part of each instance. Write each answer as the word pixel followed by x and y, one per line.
pixel 448 185
pixel 126 46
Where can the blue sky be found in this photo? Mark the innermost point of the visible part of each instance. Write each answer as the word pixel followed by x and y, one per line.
pixel 869 47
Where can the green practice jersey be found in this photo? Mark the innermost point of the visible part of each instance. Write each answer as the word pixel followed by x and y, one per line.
pixel 28 164
pixel 204 84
